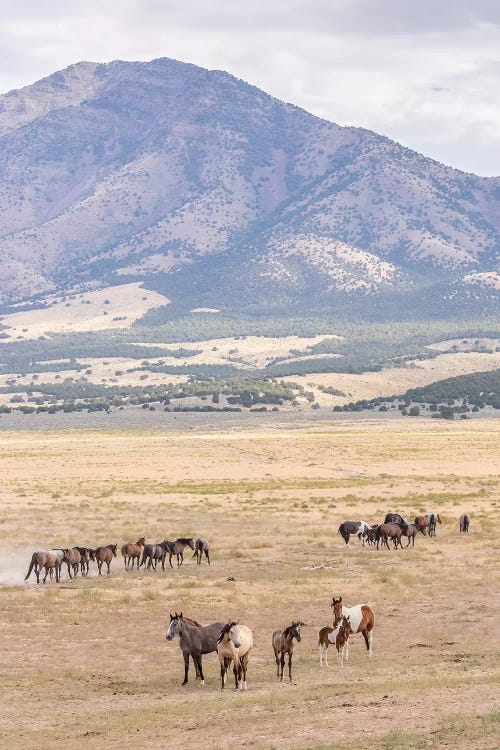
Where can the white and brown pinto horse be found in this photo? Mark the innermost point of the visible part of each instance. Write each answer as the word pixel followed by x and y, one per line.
pixel 339 636
pixel 234 644
pixel 361 620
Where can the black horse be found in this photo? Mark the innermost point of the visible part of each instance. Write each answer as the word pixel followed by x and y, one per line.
pixel 360 528
pixel 395 518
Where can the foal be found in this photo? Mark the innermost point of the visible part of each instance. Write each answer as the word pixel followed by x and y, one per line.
pixel 339 636
pixel 283 644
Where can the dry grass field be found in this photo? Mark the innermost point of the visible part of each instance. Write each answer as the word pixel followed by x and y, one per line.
pixel 85 663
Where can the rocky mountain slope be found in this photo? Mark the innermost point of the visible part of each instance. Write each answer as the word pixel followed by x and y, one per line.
pixel 209 189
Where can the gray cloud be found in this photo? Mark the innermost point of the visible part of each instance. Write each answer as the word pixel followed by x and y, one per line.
pixel 424 73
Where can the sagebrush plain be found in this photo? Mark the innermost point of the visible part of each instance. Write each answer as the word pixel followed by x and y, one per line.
pixel 86 662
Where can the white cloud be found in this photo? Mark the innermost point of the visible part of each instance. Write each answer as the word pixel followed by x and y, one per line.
pixel 426 74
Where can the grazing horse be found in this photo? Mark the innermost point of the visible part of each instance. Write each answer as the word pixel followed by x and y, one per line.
pixel 50 560
pixel 234 644
pixel 411 532
pixel 194 640
pixel 388 531
pixel 105 555
pixel 132 551
pixel 86 555
pixel 464 523
pixel 177 549
pixel 361 620
pixel 346 528
pixel 201 547
pixel 73 559
pixel 154 553
pixel 283 644
pixel 422 524
pixel 432 520
pixel 395 518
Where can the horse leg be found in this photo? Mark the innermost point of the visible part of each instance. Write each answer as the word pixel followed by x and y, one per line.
pixel 186 667
pixel 325 654
pixel 282 665
pixel 244 666
pixel 200 669
pixel 276 656
pixel 290 665
pixel 99 566
pixel 237 673
pixel 170 559
pixel 346 654
pixel 108 563
pixel 207 555
pixel 125 561
pixel 367 635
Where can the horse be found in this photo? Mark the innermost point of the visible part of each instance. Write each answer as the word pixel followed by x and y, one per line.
pixel 361 620
pixel 464 523
pixel 86 555
pixel 51 560
pixel 395 518
pixel 432 520
pixel 154 553
pixel 371 534
pixel 411 532
pixel 347 528
pixel 194 640
pixel 73 559
pixel 105 555
pixel 177 549
pixel 389 531
pixel 283 644
pixel 338 636
pixel 201 546
pixel 234 644
pixel 132 551
pixel 422 523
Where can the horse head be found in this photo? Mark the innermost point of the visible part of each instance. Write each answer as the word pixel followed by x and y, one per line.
pixel 175 626
pixel 232 631
pixel 336 605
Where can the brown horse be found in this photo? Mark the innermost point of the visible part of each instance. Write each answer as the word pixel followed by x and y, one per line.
pixel 422 524
pixel 133 551
pixel 73 559
pixel 411 532
pixel 105 555
pixel 283 644
pixel 361 620
pixel 87 555
pixel 388 531
pixel 50 560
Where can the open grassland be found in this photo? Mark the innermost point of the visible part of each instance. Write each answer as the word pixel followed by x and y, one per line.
pixel 86 662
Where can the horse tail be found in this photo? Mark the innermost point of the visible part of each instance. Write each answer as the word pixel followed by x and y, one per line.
pixel 32 563
pixel 377 534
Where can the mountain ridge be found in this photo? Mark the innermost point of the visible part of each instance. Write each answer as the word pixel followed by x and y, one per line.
pixel 126 171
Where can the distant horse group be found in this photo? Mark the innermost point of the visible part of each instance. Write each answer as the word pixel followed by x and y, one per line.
pixel 394 527
pixel 78 559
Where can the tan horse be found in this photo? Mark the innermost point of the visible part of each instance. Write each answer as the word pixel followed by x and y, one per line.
pixel 49 560
pixel 234 644
pixel 133 551
pixel 361 620
pixel 422 524
pixel 104 555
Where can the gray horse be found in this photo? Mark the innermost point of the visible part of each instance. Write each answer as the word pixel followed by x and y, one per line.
pixel 194 640
pixel 432 520
pixel 155 553
pixel 201 547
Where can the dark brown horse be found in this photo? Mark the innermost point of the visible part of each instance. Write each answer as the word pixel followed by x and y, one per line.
pixel 283 644
pixel 86 554
pixel 432 520
pixel 105 555
pixel 201 547
pixel 388 531
pixel 464 523
pixel 132 551
pixel 361 620
pixel 72 559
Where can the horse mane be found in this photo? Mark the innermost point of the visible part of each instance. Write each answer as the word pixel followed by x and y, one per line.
pixel 227 627
pixel 288 630
pixel 184 539
pixel 191 621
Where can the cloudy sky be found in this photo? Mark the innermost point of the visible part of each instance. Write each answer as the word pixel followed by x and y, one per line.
pixel 424 72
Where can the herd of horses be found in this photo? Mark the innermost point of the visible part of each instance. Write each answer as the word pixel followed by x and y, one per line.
pixel 78 559
pixel 234 642
pixel 394 528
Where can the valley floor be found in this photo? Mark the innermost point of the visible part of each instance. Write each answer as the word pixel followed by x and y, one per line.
pixel 86 662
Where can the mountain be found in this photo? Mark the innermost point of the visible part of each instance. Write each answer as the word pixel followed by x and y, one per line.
pixel 213 191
